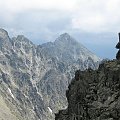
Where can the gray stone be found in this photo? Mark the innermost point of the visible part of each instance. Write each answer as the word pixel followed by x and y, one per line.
pixel 34 78
pixel 94 94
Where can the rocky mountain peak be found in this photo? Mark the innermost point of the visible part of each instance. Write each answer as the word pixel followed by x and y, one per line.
pixel 67 49
pixel 66 39
pixel 5 42
pixel 22 38
pixel 22 41
pixel 65 35
pixel 3 33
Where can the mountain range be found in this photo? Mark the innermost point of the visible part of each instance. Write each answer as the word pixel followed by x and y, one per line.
pixel 34 78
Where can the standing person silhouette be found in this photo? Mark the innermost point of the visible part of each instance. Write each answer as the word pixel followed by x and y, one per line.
pixel 118 47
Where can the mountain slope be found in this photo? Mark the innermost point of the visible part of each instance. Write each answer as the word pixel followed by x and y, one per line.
pixel 33 79
pixel 94 94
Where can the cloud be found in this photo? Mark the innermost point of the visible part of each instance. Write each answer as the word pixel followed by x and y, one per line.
pixel 39 25
pixel 97 16
pixel 22 5
pixel 56 16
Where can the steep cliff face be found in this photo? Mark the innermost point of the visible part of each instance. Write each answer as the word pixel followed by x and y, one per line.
pixel 94 94
pixel 33 79
pixel 19 97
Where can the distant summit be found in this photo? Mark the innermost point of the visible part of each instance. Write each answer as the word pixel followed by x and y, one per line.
pixel 65 35
pixel 3 33
pixel 65 38
pixel 67 49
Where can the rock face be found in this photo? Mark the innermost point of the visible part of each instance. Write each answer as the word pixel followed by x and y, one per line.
pixel 33 79
pixel 94 94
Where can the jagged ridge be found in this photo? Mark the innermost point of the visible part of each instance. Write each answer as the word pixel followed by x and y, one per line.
pixel 34 83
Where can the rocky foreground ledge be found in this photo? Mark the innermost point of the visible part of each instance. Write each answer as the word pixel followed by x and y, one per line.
pixel 94 94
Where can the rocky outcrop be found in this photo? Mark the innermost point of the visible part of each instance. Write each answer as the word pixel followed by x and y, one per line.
pixel 94 94
pixel 34 78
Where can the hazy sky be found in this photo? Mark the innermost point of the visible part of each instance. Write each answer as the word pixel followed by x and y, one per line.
pixel 94 23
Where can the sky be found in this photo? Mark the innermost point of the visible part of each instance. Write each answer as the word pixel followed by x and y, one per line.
pixel 94 23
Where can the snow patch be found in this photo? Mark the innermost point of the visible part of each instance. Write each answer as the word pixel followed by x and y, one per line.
pixel 40 95
pixel 11 93
pixel 50 110
pixel 65 108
